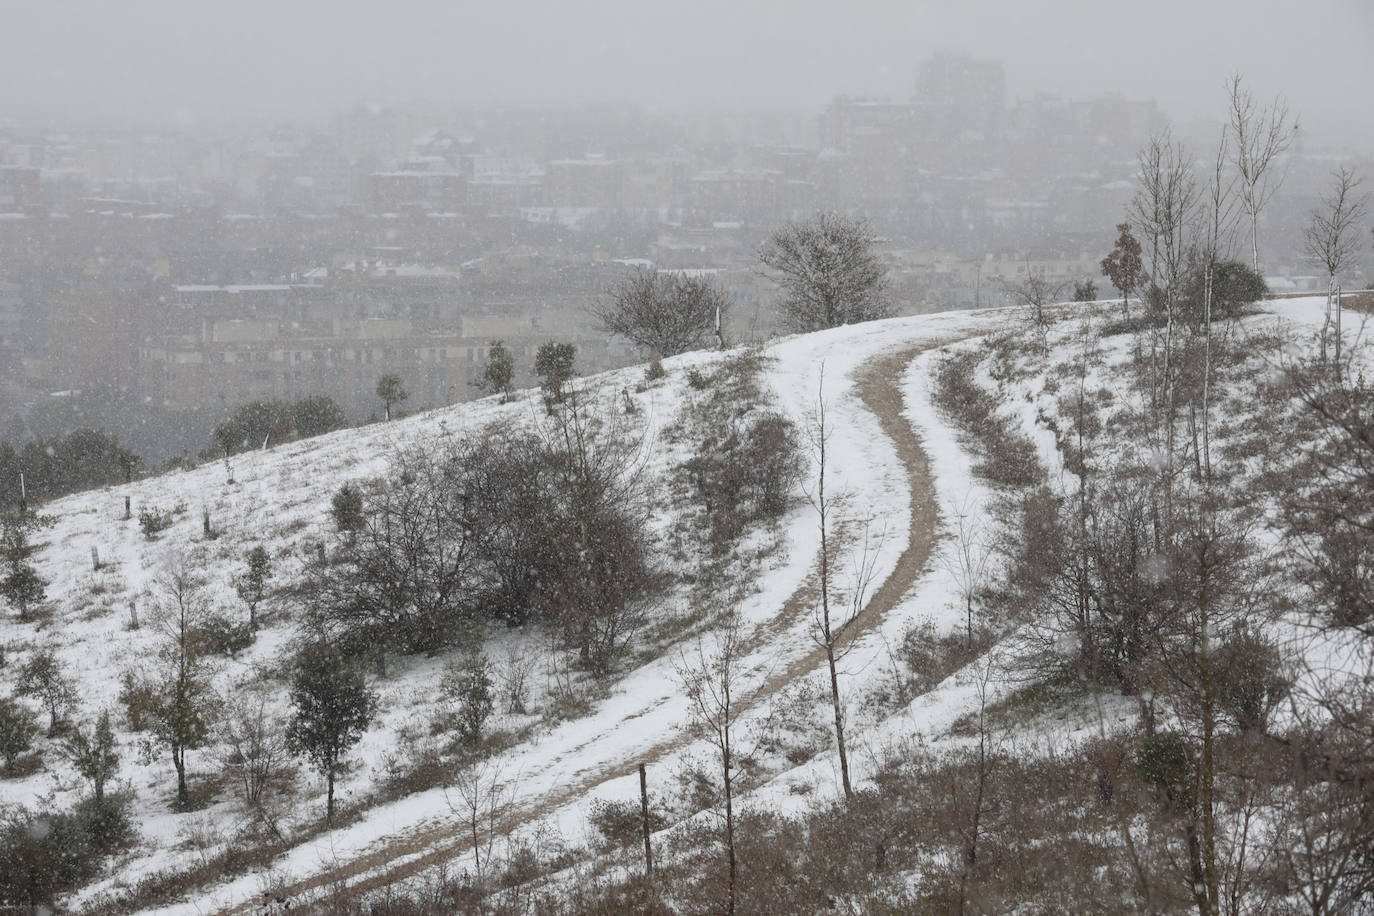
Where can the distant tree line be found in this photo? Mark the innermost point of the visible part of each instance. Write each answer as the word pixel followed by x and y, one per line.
pixel 265 422
pixel 80 460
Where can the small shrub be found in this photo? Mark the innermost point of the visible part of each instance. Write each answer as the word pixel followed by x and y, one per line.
pixel 140 700
pixel 1007 457
pixel 45 854
pixel 567 703
pixel 467 686
pixel 417 772
pixel 746 459
pixel 697 380
pixel 930 657
pixel 153 521
pixel 1251 681
pixel 346 508
pixel 1085 291
pixel 43 677
pixel 220 634
pixel 1164 763
pixel 17 729
pixel 620 823
pixel 654 371
pixel 515 677
pixel 107 823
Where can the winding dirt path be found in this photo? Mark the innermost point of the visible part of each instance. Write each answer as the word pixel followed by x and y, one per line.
pixel 879 387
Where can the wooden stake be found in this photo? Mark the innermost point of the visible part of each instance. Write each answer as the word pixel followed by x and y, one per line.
pixel 644 820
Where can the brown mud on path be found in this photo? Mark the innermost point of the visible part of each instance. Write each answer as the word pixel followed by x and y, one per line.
pixel 879 386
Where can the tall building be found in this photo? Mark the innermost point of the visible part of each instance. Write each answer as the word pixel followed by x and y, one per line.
pixel 972 92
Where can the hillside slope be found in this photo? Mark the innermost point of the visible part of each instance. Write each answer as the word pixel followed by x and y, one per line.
pixel 925 655
pixel 279 498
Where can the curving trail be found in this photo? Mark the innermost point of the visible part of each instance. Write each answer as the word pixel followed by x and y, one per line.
pixel 879 386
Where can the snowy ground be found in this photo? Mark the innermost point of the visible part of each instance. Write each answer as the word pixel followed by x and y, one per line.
pixel 281 498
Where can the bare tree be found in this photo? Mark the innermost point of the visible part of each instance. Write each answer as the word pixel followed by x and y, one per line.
pixel 1332 238
pixel 986 758
pixel 254 745
pixel 1035 294
pixel 828 271
pixel 1164 207
pixel 479 794
pixel 710 680
pixel 1262 134
pixel 403 583
pixel 836 611
pixel 968 561
pixel 598 513
pixel 665 312
pixel 1217 225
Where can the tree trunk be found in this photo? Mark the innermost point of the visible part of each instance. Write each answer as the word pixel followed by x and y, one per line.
pixel 644 820
pixel 1208 768
pixel 329 802
pixel 827 635
pixel 1196 872
pixel 729 827
pixel 179 761
pixel 839 721
pixel 1336 308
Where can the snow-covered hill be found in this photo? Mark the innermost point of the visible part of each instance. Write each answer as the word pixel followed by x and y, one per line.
pixel 897 462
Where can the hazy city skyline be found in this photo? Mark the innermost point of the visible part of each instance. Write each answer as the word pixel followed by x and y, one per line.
pixel 162 63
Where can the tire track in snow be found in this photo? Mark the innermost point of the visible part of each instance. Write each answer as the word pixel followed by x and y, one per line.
pixel 879 385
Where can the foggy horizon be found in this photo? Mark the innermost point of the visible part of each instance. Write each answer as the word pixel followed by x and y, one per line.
pixel 160 64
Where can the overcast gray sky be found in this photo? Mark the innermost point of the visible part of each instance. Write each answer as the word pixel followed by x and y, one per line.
pixel 141 60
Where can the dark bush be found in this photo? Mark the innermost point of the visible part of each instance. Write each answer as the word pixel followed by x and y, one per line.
pixel 107 822
pixel 316 415
pixel 1234 286
pixel 346 508
pixel 220 634
pixel 153 521
pixel 18 726
pixel 746 459
pixel 1251 681
pixel 43 855
pixel 140 700
pixel 620 823
pixel 1164 762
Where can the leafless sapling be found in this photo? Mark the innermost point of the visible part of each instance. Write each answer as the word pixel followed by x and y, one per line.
pixel 710 679
pixel 480 795
pixel 1035 293
pixel 836 611
pixel 1331 239
pixel 968 560
pixel 1261 134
